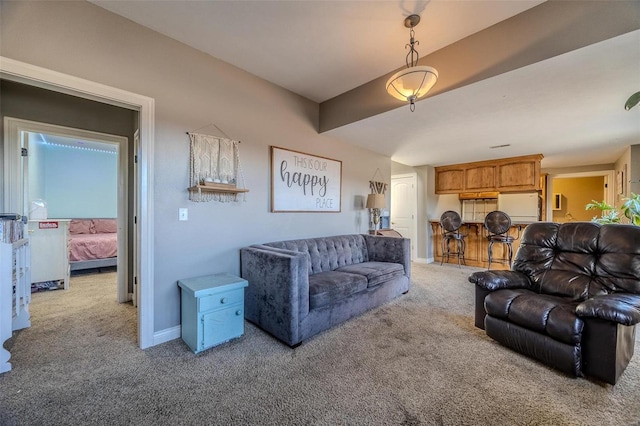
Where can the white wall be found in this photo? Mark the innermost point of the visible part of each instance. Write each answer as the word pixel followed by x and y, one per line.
pixel 76 183
pixel 191 90
pixel 629 163
pixel 634 169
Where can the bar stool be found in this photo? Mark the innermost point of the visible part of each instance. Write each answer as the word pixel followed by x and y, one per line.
pixel 450 223
pixel 497 224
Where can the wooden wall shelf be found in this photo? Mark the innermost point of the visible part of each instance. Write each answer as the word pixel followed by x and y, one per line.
pixel 207 188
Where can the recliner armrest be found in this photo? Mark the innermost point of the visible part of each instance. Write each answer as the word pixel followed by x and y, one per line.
pixel 623 308
pixel 497 280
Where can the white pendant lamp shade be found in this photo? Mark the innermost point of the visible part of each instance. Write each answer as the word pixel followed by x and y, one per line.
pixel 412 83
pixel 415 81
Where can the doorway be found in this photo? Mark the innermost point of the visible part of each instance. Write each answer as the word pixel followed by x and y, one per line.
pixel 24 73
pixel 65 180
pixel 569 193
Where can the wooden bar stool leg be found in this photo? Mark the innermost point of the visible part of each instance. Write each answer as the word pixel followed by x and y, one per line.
pixel 445 249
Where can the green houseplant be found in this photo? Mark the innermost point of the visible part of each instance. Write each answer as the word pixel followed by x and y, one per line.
pixel 630 209
pixel 609 213
pixel 632 101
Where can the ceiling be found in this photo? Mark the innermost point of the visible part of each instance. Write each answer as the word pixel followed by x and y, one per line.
pixel 569 107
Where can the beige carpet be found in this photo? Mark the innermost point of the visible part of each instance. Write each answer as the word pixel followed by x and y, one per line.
pixel 415 361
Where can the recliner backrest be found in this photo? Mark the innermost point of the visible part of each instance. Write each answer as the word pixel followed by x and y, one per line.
pixel 580 259
pixel 618 266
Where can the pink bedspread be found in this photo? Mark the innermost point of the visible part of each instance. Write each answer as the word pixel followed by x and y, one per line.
pixel 92 246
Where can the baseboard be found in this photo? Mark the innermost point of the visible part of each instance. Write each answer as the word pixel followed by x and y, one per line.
pixel 166 335
pixel 421 260
pixel 430 260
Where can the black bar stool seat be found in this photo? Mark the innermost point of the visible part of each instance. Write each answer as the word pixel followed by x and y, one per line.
pixel 450 223
pixel 497 224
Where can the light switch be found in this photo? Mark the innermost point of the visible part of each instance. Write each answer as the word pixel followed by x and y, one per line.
pixel 183 214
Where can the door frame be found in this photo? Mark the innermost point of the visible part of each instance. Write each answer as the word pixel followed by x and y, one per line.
pixel 609 180
pixel 414 209
pixel 33 75
pixel 14 200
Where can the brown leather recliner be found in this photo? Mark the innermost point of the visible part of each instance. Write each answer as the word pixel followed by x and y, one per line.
pixel 571 299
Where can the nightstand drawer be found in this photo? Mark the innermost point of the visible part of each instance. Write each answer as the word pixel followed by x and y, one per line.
pixel 220 300
pixel 222 325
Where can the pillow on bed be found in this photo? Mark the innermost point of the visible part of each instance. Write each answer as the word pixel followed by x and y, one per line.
pixel 81 226
pixel 105 226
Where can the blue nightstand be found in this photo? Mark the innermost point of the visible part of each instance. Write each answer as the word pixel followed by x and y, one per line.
pixel 212 310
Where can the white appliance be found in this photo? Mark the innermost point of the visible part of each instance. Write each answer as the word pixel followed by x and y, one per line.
pixel 520 207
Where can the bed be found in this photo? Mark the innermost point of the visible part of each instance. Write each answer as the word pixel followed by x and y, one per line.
pixel 93 243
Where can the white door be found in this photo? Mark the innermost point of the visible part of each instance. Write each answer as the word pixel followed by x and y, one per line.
pixel 404 200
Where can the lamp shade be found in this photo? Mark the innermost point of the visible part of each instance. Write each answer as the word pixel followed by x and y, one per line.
pixel 412 83
pixel 376 201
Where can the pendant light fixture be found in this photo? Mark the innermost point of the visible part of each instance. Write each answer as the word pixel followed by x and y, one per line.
pixel 415 81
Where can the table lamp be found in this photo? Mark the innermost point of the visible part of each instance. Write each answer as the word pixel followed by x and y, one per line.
pixel 376 202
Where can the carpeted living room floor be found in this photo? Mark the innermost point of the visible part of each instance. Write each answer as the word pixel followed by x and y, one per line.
pixel 418 360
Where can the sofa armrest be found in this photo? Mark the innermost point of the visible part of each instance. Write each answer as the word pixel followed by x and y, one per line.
pixel 277 297
pixel 497 280
pixel 623 308
pixel 389 249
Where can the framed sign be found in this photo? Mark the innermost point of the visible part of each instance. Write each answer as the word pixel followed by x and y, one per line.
pixel 304 183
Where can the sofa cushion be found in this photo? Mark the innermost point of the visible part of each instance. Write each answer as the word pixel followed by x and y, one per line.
pixel 375 272
pixel 328 253
pixel 328 287
pixel 551 315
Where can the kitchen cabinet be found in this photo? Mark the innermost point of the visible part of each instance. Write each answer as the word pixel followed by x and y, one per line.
pixel 478 178
pixel 519 175
pixel 515 174
pixel 449 180
pixel 478 195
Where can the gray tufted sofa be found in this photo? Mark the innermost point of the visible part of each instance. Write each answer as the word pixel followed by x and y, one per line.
pixel 299 288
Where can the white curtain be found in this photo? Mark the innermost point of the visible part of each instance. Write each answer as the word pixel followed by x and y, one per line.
pixel 216 158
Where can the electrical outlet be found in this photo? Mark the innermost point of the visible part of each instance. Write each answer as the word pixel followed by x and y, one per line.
pixel 183 214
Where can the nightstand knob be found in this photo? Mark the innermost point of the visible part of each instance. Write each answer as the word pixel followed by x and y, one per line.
pixel 238 312
pixel 223 300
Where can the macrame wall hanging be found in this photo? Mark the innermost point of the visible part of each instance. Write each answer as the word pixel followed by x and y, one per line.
pixel 377 187
pixel 215 173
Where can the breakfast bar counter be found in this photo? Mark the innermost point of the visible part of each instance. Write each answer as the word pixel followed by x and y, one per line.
pixel 477 246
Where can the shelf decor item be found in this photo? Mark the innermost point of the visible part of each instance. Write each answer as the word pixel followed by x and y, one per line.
pixel 214 169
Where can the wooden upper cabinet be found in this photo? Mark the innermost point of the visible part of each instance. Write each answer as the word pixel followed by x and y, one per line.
pixel 480 178
pixel 519 175
pixel 516 174
pixel 449 180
